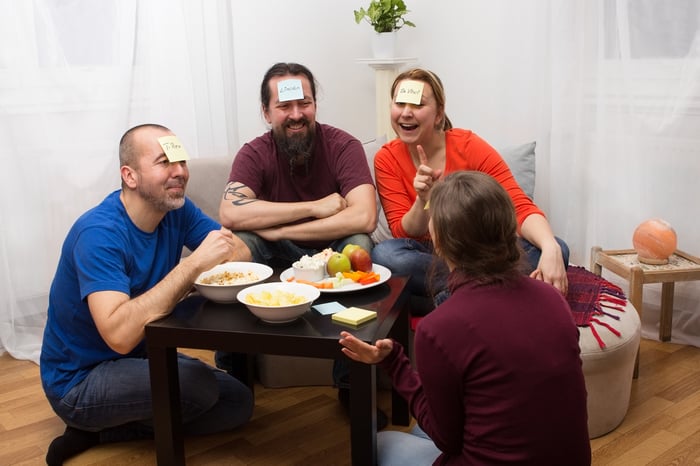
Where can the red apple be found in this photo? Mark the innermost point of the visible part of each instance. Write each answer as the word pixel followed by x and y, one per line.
pixel 361 260
pixel 349 248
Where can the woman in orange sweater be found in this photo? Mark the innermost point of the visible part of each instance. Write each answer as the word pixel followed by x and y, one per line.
pixel 426 149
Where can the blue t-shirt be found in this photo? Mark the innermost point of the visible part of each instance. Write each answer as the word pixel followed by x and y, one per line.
pixel 105 251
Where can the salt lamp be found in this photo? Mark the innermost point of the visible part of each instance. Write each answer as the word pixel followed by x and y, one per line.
pixel 654 240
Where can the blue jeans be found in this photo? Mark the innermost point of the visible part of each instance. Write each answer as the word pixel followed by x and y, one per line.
pixel 396 448
pixel 428 274
pixel 115 400
pixel 278 254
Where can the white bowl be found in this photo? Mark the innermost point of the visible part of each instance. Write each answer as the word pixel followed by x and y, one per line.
pixel 226 293
pixel 308 272
pixel 278 314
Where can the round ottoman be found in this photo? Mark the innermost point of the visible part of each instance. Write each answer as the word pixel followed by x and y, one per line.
pixel 608 371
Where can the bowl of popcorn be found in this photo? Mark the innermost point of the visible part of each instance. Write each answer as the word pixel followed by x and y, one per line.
pixel 279 302
pixel 310 269
pixel 222 282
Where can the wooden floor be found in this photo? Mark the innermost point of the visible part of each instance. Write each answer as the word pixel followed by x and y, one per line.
pixel 305 425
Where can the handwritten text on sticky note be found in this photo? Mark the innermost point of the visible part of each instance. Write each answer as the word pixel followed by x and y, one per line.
pixel 410 92
pixel 173 148
pixel 290 89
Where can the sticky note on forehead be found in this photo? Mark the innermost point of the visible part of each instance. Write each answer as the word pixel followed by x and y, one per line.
pixel 290 89
pixel 410 92
pixel 173 148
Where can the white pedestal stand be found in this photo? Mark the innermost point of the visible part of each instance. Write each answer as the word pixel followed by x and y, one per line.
pixel 385 71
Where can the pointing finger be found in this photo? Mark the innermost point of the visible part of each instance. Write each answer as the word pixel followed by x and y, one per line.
pixel 422 158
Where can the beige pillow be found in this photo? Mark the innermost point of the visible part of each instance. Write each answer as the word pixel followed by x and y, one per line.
pixel 382 231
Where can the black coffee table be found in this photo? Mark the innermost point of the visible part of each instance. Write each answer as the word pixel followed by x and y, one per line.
pixel 198 323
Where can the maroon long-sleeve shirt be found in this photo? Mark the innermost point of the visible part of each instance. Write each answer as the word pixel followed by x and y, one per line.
pixel 499 377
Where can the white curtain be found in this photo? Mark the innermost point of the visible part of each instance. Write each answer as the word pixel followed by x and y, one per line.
pixel 625 133
pixel 615 95
pixel 74 75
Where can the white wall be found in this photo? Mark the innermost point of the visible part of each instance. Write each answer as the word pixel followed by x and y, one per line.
pixel 464 42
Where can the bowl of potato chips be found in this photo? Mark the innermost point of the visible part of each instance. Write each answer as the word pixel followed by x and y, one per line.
pixel 279 302
pixel 222 283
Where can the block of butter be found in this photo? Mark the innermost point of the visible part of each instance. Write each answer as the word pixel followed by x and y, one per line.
pixel 354 316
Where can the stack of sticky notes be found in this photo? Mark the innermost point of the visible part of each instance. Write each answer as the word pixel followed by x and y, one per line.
pixel 354 316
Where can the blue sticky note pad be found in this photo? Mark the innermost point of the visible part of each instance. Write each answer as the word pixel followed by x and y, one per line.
pixel 329 308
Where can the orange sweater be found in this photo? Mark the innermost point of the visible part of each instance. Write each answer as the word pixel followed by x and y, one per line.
pixel 395 171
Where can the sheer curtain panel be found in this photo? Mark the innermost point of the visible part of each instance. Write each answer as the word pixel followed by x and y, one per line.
pixel 74 75
pixel 625 133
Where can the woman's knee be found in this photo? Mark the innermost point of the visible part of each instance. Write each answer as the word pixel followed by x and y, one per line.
pixel 388 252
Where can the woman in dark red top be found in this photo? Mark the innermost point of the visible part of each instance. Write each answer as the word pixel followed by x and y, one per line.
pixel 499 376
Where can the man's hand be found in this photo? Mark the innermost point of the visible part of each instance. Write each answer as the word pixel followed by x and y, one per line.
pixel 220 246
pixel 329 205
pixel 360 351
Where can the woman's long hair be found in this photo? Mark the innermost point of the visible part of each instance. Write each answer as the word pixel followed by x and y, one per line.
pixel 475 227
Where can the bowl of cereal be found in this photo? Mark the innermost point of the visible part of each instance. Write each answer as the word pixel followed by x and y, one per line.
pixel 279 302
pixel 222 282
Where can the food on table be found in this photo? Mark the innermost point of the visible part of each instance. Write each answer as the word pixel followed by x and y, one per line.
pixel 227 278
pixel 308 268
pixel 360 260
pixel 274 298
pixel 338 263
pixel 324 255
pixel 363 278
pixel 349 248
pixel 341 269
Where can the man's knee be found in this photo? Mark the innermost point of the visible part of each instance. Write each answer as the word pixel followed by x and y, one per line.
pixel 253 247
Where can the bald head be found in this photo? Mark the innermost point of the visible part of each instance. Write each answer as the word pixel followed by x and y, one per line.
pixel 131 142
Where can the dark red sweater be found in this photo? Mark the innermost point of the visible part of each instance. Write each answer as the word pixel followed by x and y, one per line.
pixel 499 377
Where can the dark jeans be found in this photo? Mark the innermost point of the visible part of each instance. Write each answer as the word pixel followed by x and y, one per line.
pixel 115 400
pixel 428 274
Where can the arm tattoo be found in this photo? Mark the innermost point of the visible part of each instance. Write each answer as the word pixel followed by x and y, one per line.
pixel 233 194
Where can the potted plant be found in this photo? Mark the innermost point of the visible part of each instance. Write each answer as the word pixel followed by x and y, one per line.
pixel 386 17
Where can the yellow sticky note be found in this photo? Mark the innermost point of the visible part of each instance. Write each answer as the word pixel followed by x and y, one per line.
pixel 290 89
pixel 354 316
pixel 173 148
pixel 410 92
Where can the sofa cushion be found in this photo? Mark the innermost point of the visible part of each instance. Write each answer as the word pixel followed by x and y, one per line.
pixel 521 160
pixel 382 231
pixel 208 177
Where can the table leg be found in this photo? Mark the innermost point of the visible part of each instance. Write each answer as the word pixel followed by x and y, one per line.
pixel 363 414
pixel 596 268
pixel 666 320
pixel 636 298
pixel 165 391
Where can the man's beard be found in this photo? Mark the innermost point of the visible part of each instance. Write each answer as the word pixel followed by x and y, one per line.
pixel 297 147
pixel 163 203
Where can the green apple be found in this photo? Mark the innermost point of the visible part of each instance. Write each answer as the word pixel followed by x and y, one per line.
pixel 338 263
pixel 349 248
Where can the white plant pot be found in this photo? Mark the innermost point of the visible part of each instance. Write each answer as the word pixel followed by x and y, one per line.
pixel 384 44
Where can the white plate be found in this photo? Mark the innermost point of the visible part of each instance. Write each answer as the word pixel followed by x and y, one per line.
pixel 384 275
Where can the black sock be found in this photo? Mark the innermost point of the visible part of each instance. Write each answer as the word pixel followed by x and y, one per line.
pixel 72 442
